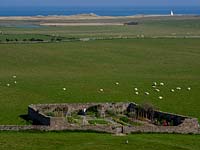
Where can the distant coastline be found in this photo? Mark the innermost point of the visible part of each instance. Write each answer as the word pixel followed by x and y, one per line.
pixel 100 11
pixel 85 20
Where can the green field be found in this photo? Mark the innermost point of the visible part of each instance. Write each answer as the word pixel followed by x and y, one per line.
pixel 42 70
pixel 88 141
pixel 152 27
pixel 83 68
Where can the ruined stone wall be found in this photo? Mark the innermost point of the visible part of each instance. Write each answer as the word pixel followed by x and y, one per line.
pixel 79 106
pixel 188 126
pixel 37 116
pixel 23 128
pixel 97 128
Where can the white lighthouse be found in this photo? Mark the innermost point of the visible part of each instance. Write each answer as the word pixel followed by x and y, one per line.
pixel 172 13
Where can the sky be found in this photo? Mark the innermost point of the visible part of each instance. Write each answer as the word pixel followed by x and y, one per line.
pixel 17 3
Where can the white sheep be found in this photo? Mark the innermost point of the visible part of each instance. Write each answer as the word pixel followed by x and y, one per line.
pixel 64 89
pixel 8 84
pixel 117 83
pixel 178 88
pixel 154 83
pixel 161 83
pixel 147 93
pixel 189 88
pixel 136 89
pixel 126 141
pixel 15 82
pixel 160 97
pixel 172 90
pixel 14 76
pixel 136 93
pixel 157 90
pixel 101 90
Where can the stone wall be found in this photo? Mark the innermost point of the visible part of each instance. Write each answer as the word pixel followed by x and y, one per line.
pixel 23 128
pixel 38 117
pixel 120 107
pixel 188 126
pixel 105 129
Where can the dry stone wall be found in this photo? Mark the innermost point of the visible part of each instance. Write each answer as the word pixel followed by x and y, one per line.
pixel 189 125
pixel 23 128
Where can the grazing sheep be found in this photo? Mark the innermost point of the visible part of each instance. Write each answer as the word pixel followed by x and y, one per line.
pixel 8 84
pixel 14 76
pixel 15 82
pixel 126 141
pixel 117 83
pixel 101 90
pixel 160 97
pixel 136 89
pixel 157 90
pixel 178 88
pixel 136 93
pixel 172 90
pixel 161 83
pixel 147 93
pixel 189 88
pixel 154 83
pixel 64 89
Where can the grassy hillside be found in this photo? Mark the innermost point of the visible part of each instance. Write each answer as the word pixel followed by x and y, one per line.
pixel 82 141
pixel 83 68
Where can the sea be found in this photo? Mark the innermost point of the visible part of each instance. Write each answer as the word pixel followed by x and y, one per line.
pixel 101 11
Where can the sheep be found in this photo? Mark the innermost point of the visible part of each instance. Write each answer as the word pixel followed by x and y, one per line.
pixel 126 141
pixel 15 82
pixel 161 83
pixel 64 89
pixel 157 90
pixel 101 90
pixel 14 76
pixel 154 83
pixel 178 88
pixel 147 93
pixel 117 83
pixel 160 97
pixel 189 88
pixel 172 90
pixel 8 84
pixel 136 89
pixel 136 93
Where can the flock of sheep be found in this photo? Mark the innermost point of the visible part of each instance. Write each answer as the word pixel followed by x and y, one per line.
pixel 15 82
pixel 155 86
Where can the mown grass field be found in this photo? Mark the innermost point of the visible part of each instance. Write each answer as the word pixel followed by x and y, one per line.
pixel 83 68
pixel 85 141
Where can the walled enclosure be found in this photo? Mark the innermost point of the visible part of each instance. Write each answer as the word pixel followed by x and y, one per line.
pixel 38 113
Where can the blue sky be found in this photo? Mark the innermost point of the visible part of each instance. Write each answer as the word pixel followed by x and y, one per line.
pixel 99 3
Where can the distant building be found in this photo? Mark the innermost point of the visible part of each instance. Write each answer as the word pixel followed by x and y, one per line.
pixel 172 13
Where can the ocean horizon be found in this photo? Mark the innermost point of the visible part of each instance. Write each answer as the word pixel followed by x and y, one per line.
pixel 101 11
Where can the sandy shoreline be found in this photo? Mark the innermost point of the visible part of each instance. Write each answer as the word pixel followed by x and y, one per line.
pixel 87 19
pixel 74 17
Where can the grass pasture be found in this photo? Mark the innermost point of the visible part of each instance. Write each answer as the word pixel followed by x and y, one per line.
pixel 85 141
pixel 149 27
pixel 83 68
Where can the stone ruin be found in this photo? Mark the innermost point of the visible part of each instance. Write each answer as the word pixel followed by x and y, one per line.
pixel 110 117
